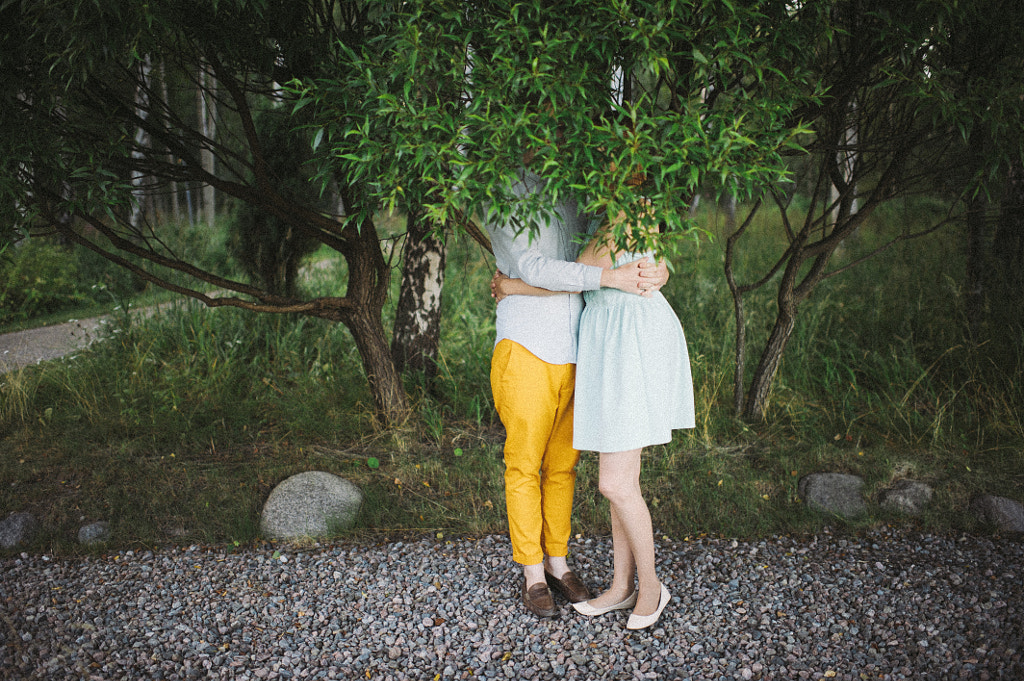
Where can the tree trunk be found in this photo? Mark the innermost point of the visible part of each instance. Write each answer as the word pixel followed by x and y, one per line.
pixel 417 329
pixel 141 143
pixel 771 358
pixel 729 202
pixel 1006 287
pixel 1008 244
pixel 976 265
pixel 390 400
pixel 172 193
pixel 369 278
pixel 208 128
pixel 741 353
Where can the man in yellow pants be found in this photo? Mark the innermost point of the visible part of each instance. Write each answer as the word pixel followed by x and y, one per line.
pixel 533 380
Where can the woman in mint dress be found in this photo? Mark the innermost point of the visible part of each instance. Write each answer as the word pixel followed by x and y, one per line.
pixel 633 387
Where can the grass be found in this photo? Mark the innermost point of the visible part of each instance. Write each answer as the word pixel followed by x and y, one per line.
pixel 176 427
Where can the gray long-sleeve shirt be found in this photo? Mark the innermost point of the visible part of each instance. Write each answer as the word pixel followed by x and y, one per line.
pixel 545 325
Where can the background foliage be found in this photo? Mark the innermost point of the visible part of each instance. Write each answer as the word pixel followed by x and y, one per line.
pixel 841 182
pixel 206 410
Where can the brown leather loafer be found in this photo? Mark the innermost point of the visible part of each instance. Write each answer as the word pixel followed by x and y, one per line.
pixel 538 600
pixel 570 586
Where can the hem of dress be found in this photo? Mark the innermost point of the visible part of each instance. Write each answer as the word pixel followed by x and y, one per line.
pixel 658 441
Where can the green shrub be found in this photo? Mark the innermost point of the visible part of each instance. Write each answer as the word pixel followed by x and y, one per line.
pixel 96 274
pixel 39 277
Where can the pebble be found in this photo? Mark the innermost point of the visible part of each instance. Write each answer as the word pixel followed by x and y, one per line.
pixel 886 604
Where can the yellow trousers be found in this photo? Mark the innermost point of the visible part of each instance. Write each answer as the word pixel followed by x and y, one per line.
pixel 534 400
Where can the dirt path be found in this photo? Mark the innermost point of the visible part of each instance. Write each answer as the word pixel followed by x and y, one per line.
pixel 21 348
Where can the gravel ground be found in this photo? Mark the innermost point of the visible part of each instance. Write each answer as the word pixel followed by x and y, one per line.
pixel 884 605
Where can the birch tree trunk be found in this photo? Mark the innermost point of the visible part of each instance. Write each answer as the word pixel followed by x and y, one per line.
pixel 173 199
pixel 141 144
pixel 417 329
pixel 846 160
pixel 976 265
pixel 207 102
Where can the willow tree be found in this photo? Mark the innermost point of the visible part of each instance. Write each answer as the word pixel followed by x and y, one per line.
pixel 933 93
pixel 595 91
pixel 428 106
pixel 694 95
pixel 85 119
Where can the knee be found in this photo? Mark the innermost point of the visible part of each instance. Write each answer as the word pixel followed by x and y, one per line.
pixel 616 491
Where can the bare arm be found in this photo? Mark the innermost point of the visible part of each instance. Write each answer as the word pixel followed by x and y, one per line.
pixel 503 285
pixel 640 276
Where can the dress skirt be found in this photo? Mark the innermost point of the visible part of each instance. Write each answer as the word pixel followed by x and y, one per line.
pixel 633 382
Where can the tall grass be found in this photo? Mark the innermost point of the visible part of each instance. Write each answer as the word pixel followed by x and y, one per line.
pixel 176 426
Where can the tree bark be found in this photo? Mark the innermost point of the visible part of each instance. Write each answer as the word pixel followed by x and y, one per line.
pixel 417 330
pixel 172 193
pixel 207 102
pixel 976 265
pixel 369 279
pixel 771 358
pixel 142 142
pixel 740 363
pixel 1008 243
pixel 390 400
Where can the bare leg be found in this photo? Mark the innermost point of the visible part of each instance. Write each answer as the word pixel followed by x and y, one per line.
pixel 624 567
pixel 619 481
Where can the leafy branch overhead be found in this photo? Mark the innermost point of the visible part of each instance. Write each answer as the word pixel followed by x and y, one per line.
pixel 680 92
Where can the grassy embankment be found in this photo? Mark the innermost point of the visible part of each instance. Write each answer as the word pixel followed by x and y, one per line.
pixel 176 427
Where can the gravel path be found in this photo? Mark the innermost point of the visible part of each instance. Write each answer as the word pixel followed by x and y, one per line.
pixel 885 605
pixel 21 348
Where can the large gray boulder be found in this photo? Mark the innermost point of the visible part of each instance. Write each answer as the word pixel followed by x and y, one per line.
pixel 905 496
pixel 18 528
pixel 1006 514
pixel 311 504
pixel 836 493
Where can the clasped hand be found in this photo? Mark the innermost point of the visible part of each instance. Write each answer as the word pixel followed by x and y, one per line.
pixel 642 277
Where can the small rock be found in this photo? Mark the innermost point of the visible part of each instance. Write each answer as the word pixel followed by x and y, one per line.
pixel 18 528
pixel 94 533
pixel 837 493
pixel 311 504
pixel 1006 514
pixel 906 496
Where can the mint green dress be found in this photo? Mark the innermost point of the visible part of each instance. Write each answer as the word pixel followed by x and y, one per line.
pixel 633 382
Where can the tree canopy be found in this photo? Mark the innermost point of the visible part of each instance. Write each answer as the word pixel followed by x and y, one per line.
pixel 696 96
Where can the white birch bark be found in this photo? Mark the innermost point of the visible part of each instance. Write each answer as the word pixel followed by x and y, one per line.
pixel 208 128
pixel 139 196
pixel 172 190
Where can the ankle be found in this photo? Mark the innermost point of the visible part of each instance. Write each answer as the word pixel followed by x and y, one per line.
pixel 556 566
pixel 533 574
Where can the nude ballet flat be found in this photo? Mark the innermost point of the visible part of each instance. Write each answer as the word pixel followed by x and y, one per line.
pixel 644 621
pixel 585 608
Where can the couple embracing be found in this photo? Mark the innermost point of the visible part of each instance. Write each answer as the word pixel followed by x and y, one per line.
pixel 611 377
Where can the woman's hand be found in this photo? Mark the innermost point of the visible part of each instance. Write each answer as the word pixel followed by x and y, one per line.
pixel 653 275
pixel 497 283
